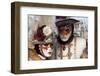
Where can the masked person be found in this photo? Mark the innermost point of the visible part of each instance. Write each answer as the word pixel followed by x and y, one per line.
pixel 69 46
pixel 42 44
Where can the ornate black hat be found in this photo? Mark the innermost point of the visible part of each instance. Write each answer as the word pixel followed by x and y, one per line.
pixel 65 22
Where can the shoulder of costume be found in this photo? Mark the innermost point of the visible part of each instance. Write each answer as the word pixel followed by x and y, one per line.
pixel 81 41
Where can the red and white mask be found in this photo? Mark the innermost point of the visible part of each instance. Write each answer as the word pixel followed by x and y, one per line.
pixel 46 49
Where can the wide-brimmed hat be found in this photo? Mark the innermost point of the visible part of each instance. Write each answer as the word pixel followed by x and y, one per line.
pixel 65 22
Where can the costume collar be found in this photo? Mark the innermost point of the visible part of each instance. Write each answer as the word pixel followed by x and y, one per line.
pixel 43 58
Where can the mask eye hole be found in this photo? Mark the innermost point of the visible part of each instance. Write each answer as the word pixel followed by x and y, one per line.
pixel 68 30
pixel 46 46
pixel 61 29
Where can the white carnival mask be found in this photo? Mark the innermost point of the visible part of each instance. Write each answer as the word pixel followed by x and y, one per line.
pixel 46 50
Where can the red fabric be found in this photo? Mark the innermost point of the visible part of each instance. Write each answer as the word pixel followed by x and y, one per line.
pixel 39 34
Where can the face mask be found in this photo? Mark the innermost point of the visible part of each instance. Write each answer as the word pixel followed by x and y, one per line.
pixel 65 37
pixel 47 52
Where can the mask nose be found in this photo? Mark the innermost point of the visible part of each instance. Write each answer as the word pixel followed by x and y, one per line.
pixel 49 50
pixel 64 30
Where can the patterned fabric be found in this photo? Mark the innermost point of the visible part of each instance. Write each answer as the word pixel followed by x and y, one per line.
pixel 73 50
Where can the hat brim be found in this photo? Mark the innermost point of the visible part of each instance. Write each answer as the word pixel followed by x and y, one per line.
pixel 41 42
pixel 66 22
